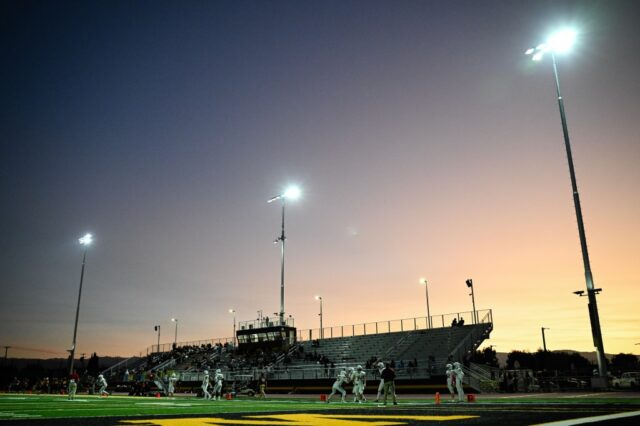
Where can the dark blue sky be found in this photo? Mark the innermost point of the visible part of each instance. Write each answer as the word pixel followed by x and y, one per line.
pixel 425 141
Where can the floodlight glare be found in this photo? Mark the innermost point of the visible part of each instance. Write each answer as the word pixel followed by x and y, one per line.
pixel 86 240
pixel 318 297
pixel 422 281
pixel 292 193
pixel 562 40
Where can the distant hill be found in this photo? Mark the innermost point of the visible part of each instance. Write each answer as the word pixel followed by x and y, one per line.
pixel 591 356
pixel 60 363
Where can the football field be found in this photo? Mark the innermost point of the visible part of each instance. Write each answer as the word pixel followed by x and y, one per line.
pixel 600 408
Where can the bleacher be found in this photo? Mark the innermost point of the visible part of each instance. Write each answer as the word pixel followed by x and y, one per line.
pixel 417 351
pixel 439 344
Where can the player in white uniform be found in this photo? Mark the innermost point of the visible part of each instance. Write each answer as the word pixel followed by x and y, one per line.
pixel 217 385
pixel 459 374
pixel 103 385
pixel 171 387
pixel 451 380
pixel 205 385
pixel 72 389
pixel 359 383
pixel 337 386
pixel 380 367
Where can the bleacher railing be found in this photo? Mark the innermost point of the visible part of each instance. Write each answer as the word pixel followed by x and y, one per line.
pixel 392 326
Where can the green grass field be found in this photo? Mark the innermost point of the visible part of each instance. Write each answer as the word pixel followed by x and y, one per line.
pixel 22 406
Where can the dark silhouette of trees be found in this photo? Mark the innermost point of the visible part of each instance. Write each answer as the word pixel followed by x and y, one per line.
pixel 624 362
pixel 561 361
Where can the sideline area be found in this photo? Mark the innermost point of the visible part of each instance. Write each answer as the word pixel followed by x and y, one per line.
pixel 574 408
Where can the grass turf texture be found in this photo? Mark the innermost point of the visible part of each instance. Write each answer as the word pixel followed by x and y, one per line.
pixel 21 406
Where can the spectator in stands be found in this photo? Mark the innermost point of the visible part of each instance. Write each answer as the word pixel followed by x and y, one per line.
pixel 454 323
pixel 389 376
pixel 461 322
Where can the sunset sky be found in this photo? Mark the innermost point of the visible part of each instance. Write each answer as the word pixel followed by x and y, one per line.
pixel 425 142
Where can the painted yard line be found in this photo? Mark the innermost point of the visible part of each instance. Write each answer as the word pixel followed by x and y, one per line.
pixel 587 395
pixel 594 419
pixel 530 395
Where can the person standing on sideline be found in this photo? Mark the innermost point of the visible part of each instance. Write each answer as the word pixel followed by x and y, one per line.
pixel 217 385
pixel 389 377
pixel 262 385
pixel 72 389
pixel 205 385
pixel 337 386
pixel 457 370
pixel 451 381
pixel 380 366
pixel 172 384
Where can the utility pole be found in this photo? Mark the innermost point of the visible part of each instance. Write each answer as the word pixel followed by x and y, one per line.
pixel 544 342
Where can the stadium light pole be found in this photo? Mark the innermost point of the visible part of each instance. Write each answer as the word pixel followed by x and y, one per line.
pixel 233 311
pixel 473 300
pixel 175 338
pixel 85 241
pixel 157 328
pixel 561 42
pixel 544 341
pixel 291 193
pixel 423 281
pixel 320 314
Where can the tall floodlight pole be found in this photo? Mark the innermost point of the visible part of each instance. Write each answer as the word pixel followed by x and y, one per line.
pixel 558 43
pixel 175 338
pixel 544 341
pixel 291 193
pixel 320 314
pixel 85 241
pixel 233 311
pixel 157 328
pixel 423 281
pixel 473 300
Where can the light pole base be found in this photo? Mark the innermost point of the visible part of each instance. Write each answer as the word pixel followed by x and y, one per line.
pixel 599 382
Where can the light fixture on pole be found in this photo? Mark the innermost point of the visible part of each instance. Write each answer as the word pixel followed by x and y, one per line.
pixel 561 42
pixel 175 338
pixel 423 281
pixel 85 241
pixel 291 193
pixel 544 341
pixel 320 314
pixel 473 300
pixel 233 311
pixel 157 328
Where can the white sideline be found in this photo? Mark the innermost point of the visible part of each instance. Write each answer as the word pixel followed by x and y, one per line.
pixel 595 419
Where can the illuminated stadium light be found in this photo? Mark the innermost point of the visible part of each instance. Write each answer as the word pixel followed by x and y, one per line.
pixel 291 193
pixel 561 42
pixel 85 241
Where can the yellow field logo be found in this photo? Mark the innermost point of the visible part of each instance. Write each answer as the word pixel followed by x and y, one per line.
pixel 302 419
